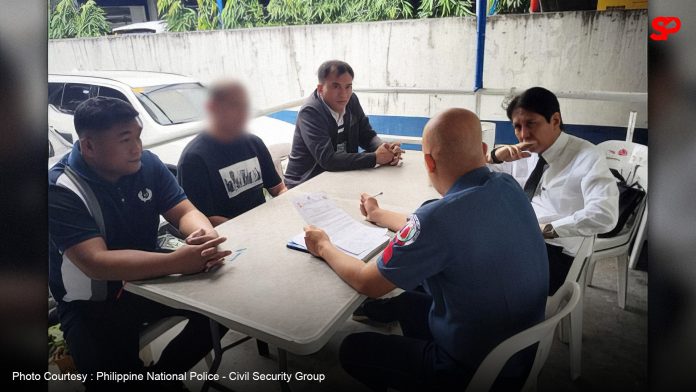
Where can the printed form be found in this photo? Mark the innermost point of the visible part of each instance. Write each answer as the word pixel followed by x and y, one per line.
pixel 349 235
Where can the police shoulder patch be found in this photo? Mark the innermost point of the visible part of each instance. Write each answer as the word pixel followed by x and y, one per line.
pixel 409 233
pixel 406 236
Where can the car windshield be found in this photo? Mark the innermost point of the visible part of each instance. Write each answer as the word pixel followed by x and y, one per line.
pixel 173 103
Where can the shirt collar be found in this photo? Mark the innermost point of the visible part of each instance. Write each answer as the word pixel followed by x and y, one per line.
pixel 554 151
pixel 469 180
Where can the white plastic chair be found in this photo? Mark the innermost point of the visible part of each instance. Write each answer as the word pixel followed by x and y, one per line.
pixel 557 307
pixel 627 244
pixel 570 329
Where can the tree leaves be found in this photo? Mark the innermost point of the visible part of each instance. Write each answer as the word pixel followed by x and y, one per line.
pixel 445 8
pixel 67 21
pixel 208 15
pixel 242 13
pixel 178 16
pixel 62 21
pixel 91 21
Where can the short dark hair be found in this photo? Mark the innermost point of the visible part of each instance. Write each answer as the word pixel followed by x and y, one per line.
pixel 331 66
pixel 538 100
pixel 102 113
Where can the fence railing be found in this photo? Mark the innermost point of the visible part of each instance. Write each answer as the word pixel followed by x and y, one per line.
pixel 607 96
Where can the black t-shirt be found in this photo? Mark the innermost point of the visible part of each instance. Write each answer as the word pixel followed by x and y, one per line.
pixel 226 179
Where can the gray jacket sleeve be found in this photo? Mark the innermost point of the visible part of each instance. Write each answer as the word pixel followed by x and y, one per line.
pixel 313 129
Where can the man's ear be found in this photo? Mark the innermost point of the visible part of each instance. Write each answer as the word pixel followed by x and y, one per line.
pixel 87 146
pixel 429 163
pixel 320 88
pixel 485 148
pixel 556 120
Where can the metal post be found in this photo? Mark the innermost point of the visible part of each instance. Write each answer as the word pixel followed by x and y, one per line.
pixel 481 42
pixel 631 125
pixel 219 7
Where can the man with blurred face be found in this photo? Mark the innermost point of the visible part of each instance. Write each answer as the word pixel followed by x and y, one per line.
pixel 225 170
pixel 105 199
pixel 331 126
pixel 566 178
pixel 484 275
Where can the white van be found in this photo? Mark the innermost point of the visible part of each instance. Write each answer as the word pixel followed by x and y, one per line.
pixel 171 108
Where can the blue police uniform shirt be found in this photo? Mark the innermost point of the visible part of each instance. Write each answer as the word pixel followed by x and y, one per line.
pixel 480 254
pixel 226 179
pixel 131 208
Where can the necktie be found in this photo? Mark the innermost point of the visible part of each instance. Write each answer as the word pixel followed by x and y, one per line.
pixel 535 178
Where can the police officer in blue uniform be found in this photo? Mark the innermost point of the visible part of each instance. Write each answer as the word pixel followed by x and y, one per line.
pixel 105 198
pixel 479 255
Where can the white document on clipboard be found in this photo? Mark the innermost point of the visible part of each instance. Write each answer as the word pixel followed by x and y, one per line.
pixel 352 237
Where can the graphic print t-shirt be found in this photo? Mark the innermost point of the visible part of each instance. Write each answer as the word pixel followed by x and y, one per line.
pixel 226 179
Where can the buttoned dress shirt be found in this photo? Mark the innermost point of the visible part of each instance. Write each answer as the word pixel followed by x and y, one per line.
pixel 339 122
pixel 577 194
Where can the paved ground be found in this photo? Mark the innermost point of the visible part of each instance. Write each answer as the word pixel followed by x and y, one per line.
pixel 614 348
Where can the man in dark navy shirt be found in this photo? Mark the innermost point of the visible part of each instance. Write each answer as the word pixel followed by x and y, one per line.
pixel 225 170
pixel 480 256
pixel 104 201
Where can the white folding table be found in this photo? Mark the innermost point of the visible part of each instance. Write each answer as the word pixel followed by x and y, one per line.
pixel 278 295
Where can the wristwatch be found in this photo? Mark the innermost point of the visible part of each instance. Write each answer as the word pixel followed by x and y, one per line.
pixel 495 159
pixel 549 232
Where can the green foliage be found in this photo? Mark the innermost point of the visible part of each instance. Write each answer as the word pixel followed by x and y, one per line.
pixel 386 9
pixel 178 17
pixel 62 20
pixel 292 12
pixel 91 20
pixel 56 341
pixel 335 11
pixel 289 12
pixel 208 15
pixel 508 6
pixel 445 8
pixel 67 21
pixel 242 13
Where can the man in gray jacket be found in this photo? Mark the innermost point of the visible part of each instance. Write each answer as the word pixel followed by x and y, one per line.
pixel 330 127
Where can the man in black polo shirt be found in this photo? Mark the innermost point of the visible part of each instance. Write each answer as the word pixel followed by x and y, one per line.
pixel 331 126
pixel 105 198
pixel 225 170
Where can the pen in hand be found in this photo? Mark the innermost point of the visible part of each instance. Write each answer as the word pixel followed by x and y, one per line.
pixel 379 194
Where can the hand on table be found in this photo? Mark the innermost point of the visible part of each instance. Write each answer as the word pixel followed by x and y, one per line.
pixel 368 206
pixel 395 148
pixel 201 236
pixel 316 240
pixel 384 154
pixel 192 258
pixel 513 152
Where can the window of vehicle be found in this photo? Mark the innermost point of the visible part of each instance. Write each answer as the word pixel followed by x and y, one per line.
pixel 73 95
pixel 55 93
pixel 111 93
pixel 174 103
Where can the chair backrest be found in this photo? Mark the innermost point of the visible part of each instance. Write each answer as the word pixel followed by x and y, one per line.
pixel 578 269
pixel 557 307
pixel 625 157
